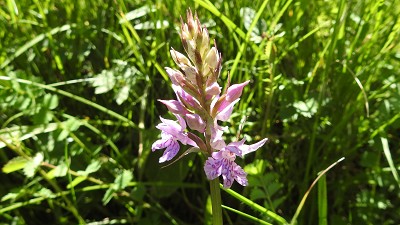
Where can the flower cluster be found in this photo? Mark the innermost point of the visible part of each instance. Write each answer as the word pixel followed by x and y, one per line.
pixel 200 105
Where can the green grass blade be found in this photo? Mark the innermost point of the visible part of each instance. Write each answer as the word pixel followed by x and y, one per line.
pixel 247 38
pixel 322 201
pixel 229 23
pixel 77 98
pixel 33 42
pixel 255 219
pixel 255 206
pixel 303 200
pixel 13 9
pixel 388 156
pixel 20 133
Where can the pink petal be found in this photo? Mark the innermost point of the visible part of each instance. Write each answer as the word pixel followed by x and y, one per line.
pixel 226 111
pixel 160 144
pixel 175 75
pixel 235 91
pixel 251 148
pixel 212 90
pixel 174 106
pixel 228 179
pixel 212 168
pixel 195 122
pixel 240 175
pixel 169 126
pixel 170 152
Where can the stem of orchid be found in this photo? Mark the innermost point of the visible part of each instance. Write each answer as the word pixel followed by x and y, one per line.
pixel 216 202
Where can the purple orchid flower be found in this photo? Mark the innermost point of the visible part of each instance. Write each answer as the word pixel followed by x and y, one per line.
pixel 222 107
pixel 200 105
pixel 171 133
pixel 223 162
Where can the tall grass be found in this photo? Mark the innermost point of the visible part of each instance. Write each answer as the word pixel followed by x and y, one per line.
pixel 79 82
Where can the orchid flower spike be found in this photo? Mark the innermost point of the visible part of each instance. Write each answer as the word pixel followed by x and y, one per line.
pixel 199 107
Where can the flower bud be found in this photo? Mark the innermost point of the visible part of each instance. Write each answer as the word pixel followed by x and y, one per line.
pixel 190 48
pixel 190 72
pixel 212 58
pixel 195 122
pixel 185 34
pixel 174 106
pixel 188 100
pixel 205 42
pixel 175 75
pixel 179 58
pixel 212 90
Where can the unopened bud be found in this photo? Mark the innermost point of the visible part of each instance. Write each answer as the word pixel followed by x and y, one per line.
pixel 212 58
pixel 175 75
pixel 179 58
pixel 191 73
pixel 213 89
pixel 174 106
pixel 205 42
pixel 195 122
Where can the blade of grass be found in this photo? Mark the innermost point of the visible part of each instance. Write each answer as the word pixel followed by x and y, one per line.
pixel 388 156
pixel 34 41
pixel 255 206
pixel 255 219
pixel 322 202
pixel 247 38
pixel 77 98
pixel 229 23
pixel 13 9
pixel 303 200
pixel 339 24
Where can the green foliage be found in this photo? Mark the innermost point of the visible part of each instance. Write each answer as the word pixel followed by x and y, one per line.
pixel 79 83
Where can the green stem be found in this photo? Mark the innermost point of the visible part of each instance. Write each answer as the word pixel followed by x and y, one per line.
pixel 216 202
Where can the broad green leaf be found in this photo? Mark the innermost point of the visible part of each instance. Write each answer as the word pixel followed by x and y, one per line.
pixel 307 108
pixel 60 171
pixel 257 193
pixel 20 133
pixel 108 196
pixel 50 101
pixel 45 192
pixel 44 116
pixel 256 167
pixel 278 201
pixel 32 165
pixel 122 180
pixel 122 94
pixel 104 82
pixel 93 166
pixel 139 192
pixel 15 164
pixel 273 187
pixel 68 126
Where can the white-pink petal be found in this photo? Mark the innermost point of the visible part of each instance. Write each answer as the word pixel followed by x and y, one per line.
pixel 251 148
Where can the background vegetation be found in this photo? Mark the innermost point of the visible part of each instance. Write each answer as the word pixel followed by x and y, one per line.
pixel 79 83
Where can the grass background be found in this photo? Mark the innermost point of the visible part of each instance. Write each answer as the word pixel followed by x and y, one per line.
pixel 79 83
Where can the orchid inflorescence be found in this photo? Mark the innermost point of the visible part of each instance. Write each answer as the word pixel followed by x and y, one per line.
pixel 200 105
